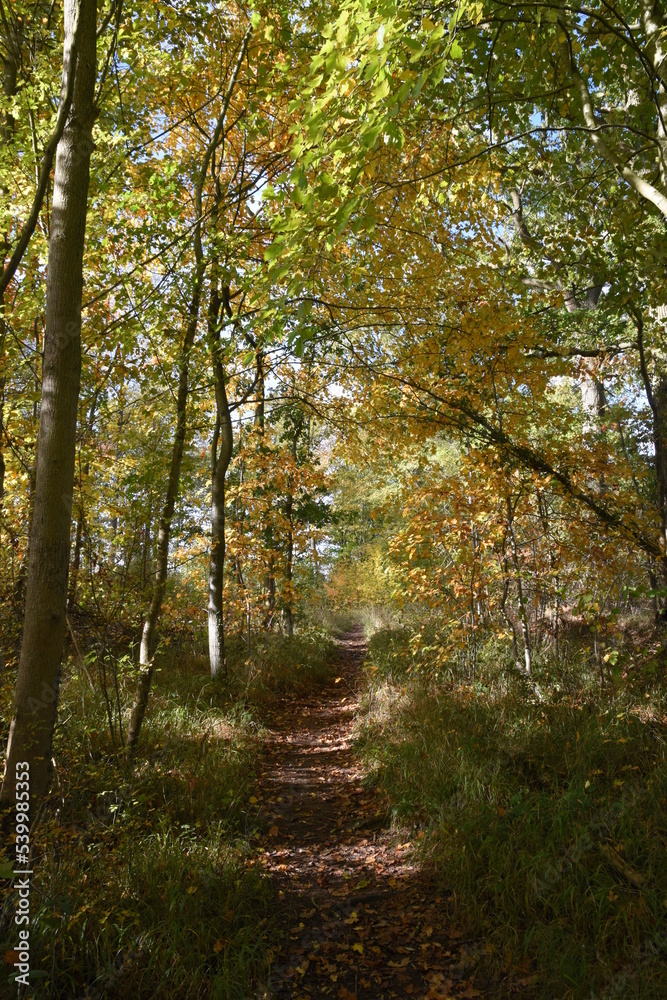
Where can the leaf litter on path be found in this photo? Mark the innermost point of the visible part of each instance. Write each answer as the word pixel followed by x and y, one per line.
pixel 362 920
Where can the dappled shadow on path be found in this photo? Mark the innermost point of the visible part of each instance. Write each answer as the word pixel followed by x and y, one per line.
pixel 361 919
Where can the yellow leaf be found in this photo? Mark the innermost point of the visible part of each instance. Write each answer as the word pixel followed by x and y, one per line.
pixel 358 947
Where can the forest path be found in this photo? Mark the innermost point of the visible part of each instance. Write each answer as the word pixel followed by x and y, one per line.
pixel 363 920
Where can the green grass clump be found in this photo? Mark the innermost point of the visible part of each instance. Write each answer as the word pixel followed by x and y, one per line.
pixel 280 665
pixel 547 819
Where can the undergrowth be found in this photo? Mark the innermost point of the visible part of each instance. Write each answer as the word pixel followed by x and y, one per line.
pixel 546 818
pixel 145 882
pixel 282 666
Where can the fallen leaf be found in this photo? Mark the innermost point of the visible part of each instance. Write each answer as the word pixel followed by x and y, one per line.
pixel 345 994
pixel 358 947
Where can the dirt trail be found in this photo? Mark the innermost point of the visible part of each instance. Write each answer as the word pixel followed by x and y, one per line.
pixel 363 921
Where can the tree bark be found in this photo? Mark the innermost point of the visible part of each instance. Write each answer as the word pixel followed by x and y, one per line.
pixel 268 580
pixel 523 616
pixel 259 405
pixel 221 454
pixel 289 569
pixel 289 513
pixel 36 696
pixel 9 78
pixel 657 400
pixel 146 648
pixel 76 559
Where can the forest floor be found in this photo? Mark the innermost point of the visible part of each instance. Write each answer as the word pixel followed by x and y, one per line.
pixel 361 919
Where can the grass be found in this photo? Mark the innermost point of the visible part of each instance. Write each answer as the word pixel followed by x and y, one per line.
pixel 546 819
pixel 145 880
pixel 280 665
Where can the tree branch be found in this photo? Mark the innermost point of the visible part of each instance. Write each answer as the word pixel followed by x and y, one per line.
pixel 66 92
pixel 635 180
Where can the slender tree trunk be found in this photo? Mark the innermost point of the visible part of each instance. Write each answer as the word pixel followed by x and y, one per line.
pixel 146 548
pixel 221 455
pixel 268 581
pixel 9 83
pixel 657 399
pixel 164 529
pixel 660 446
pixel 36 696
pixel 259 405
pixel 289 512
pixel 523 616
pixel 503 603
pixel 244 624
pixel 9 78
pixel 146 647
pixel 594 403
pixel 289 616
pixel 3 383
pixel 76 559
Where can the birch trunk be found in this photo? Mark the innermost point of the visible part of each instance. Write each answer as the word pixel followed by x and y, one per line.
pixel 221 454
pixel 36 696
pixel 523 616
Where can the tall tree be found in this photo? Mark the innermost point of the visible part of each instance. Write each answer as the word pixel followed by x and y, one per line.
pixel 36 696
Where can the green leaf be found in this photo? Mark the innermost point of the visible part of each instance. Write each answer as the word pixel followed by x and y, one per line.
pixel 382 90
pixel 6 869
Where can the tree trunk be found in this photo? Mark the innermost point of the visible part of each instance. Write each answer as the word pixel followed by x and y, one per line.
pixel 594 404
pixel 146 647
pixel 289 512
pixel 289 615
pixel 9 83
pixel 36 696
pixel 657 400
pixel 259 405
pixel 268 581
pixel 523 616
pixel 146 555
pixel 76 559
pixel 9 78
pixel 164 529
pixel 221 454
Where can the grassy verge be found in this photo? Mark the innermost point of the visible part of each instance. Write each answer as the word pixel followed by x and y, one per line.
pixel 279 665
pixel 547 819
pixel 145 881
